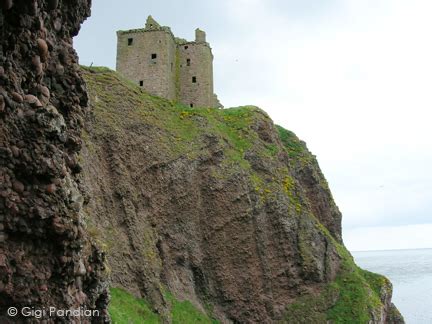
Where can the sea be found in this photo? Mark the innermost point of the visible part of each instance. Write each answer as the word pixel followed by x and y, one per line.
pixel 410 271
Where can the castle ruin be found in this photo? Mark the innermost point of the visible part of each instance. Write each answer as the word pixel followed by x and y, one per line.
pixel 167 66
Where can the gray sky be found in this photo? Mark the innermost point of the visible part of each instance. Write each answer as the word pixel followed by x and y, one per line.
pixel 353 78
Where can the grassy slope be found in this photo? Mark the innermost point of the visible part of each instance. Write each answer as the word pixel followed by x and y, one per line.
pixel 127 309
pixel 349 299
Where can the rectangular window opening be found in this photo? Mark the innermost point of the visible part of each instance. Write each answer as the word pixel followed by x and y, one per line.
pixel 191 105
pixel 130 41
pixel 141 83
pixel 188 62
pixel 172 66
pixel 153 56
pixel 194 79
pixel 186 47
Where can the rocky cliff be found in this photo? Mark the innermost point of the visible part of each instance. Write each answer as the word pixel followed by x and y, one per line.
pixel 46 257
pixel 218 207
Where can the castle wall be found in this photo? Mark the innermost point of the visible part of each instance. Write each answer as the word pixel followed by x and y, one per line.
pixel 167 67
pixel 199 69
pixel 135 62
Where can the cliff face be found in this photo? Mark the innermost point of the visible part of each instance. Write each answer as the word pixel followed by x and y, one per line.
pixel 46 257
pixel 219 207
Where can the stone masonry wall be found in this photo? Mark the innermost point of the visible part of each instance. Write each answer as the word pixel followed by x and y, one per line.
pixel 199 93
pixel 135 62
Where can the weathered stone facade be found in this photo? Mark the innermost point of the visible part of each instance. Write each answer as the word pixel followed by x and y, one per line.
pixel 167 66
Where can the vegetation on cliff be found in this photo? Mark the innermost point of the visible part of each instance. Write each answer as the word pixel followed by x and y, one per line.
pixel 219 207
pixel 127 309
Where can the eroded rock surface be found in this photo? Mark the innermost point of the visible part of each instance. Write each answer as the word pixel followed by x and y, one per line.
pixel 46 257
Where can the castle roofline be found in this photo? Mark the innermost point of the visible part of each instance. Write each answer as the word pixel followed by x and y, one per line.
pixel 150 26
pixel 143 30
pixel 193 43
pixel 177 40
pixel 153 26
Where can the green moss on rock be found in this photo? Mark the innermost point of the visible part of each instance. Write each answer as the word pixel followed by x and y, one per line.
pixel 355 296
pixel 295 147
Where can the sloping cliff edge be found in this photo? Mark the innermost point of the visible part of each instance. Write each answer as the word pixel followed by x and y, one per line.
pixel 220 208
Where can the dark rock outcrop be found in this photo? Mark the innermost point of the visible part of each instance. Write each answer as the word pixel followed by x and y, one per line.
pixel 46 257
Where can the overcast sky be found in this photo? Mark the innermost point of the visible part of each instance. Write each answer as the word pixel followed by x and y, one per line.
pixel 352 78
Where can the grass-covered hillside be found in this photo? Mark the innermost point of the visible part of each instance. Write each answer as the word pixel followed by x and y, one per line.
pixel 215 215
pixel 127 309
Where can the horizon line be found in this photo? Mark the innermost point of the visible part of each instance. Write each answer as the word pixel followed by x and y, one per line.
pixel 384 250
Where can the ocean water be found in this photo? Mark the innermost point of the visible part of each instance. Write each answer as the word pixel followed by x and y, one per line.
pixel 410 271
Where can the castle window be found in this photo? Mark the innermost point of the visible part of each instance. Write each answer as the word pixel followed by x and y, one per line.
pixel 194 79
pixel 172 66
pixel 153 56
pixel 186 47
pixel 188 62
pixel 141 83
pixel 130 41
pixel 191 105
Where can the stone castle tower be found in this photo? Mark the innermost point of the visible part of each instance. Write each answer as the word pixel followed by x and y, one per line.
pixel 167 66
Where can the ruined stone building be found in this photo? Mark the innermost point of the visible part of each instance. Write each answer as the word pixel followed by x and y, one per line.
pixel 167 66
